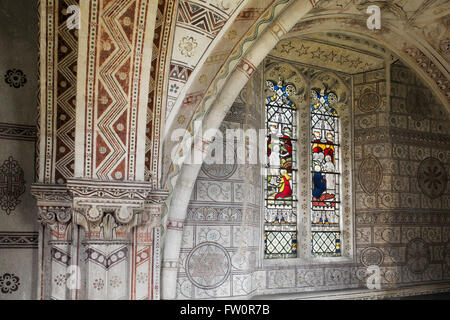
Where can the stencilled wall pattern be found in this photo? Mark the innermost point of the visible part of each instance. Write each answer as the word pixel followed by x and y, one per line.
pixel 221 234
pixel 402 216
pixel 399 186
pixel 18 225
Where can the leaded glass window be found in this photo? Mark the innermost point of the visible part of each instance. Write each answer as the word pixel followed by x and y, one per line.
pixel 280 216
pixel 325 202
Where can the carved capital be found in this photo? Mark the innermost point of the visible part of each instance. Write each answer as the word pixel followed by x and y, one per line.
pixel 107 220
pixel 50 215
pixel 54 209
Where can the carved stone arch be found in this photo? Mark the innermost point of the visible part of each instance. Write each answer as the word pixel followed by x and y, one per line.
pixel 211 111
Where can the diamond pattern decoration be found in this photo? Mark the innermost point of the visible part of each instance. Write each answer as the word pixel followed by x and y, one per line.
pixel 326 243
pixel 281 243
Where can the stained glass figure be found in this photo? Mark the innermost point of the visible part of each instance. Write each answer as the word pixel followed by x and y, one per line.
pixel 280 223
pixel 325 213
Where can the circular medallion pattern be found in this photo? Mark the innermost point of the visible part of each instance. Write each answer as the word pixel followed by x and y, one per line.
pixel 432 177
pixel 417 256
pixel 372 257
pixel 220 171
pixel 208 265
pixel 369 101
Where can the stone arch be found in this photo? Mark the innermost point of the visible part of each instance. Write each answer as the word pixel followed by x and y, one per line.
pixel 222 93
pixel 211 113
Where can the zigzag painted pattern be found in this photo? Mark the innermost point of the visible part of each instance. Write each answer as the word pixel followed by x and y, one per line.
pixel 200 18
pixel 152 90
pixel 113 87
pixel 66 100
pixel 156 103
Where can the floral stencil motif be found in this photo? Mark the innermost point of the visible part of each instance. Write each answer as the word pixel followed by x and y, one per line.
pixel 417 256
pixel 60 280
pixel 142 278
pixel 15 78
pixel 9 283
pixel 12 185
pixel 187 46
pixel 99 284
pixel 432 178
pixel 208 265
pixel 115 282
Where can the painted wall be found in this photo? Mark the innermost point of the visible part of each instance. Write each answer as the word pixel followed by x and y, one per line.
pixel 397 127
pixel 18 107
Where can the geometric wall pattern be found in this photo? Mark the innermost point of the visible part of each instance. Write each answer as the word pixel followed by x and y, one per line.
pixel 398 227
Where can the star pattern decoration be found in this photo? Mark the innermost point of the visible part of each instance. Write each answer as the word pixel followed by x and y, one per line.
pixel 356 62
pixel 302 50
pixel 317 53
pixel 286 47
pixel 331 56
pixel 207 264
pixel 344 59
pixel 309 52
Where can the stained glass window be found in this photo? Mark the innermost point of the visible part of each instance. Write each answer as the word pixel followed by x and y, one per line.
pixel 280 216
pixel 325 204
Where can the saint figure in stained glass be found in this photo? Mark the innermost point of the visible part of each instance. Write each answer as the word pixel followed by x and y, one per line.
pixel 325 200
pixel 280 181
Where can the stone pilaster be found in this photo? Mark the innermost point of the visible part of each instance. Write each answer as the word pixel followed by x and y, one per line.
pixel 55 242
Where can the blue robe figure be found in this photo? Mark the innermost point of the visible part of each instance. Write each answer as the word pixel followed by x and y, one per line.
pixel 320 185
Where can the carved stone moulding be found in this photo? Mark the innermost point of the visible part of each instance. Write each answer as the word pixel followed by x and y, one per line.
pixel 49 194
pixel 157 197
pixel 108 210
pixel 109 189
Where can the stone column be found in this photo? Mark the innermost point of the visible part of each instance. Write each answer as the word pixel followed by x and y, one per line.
pixel 55 254
pixel 107 212
pixel 93 111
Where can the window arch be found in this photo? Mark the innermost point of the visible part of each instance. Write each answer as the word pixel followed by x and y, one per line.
pixel 318 223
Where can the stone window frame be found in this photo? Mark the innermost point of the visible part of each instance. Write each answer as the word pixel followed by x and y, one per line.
pixel 344 109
